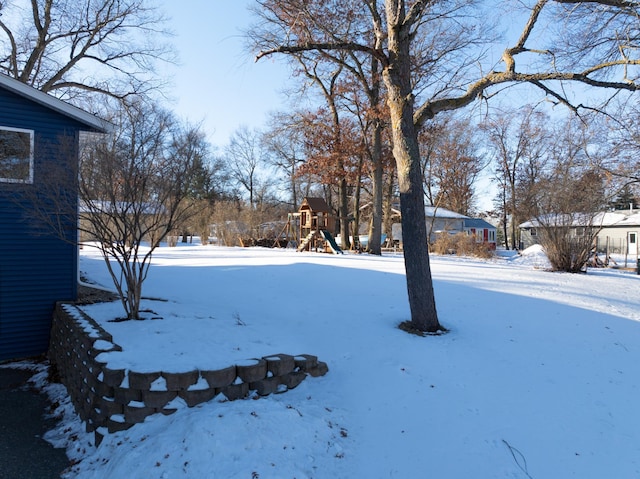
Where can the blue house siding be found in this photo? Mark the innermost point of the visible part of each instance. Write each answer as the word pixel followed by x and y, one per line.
pixel 37 267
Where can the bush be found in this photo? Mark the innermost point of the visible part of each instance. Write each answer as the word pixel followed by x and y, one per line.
pixel 461 244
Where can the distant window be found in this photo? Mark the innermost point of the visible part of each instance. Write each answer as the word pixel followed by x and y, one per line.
pixel 16 155
pixel 492 236
pixel 632 238
pixel 533 232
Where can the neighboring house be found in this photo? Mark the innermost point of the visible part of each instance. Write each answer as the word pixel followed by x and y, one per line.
pixel 481 230
pixel 37 267
pixel 443 221
pixel 621 237
pixel 618 233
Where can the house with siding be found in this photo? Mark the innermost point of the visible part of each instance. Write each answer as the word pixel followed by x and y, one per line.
pixel 37 266
pixel 443 221
pixel 621 237
pixel 617 232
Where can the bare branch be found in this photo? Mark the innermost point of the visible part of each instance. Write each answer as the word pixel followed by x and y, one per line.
pixel 52 41
pixel 319 47
pixel 610 3
pixel 519 47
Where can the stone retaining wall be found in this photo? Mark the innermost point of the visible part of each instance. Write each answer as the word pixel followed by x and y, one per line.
pixel 111 400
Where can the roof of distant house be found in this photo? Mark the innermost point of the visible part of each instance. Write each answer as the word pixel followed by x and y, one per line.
pixel 439 212
pixel 630 220
pixel 478 223
pixel 602 219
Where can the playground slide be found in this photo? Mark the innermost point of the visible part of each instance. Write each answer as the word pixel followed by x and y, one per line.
pixel 332 242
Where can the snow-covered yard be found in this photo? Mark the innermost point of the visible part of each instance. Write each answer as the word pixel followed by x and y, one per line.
pixel 537 378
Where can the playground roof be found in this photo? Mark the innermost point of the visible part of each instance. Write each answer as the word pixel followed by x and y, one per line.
pixel 316 204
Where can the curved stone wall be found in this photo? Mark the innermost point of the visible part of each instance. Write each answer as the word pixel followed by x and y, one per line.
pixel 111 400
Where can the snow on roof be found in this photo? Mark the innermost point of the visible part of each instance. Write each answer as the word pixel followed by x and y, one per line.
pixel 438 212
pixel 600 219
pixel 630 220
pixel 118 208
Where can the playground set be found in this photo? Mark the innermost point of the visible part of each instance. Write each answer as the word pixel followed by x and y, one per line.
pixel 312 226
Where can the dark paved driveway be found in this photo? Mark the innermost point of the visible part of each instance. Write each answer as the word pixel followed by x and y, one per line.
pixel 23 452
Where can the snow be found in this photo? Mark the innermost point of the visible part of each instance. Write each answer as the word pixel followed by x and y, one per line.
pixel 536 378
pixel 533 256
pixel 607 218
pixel 439 212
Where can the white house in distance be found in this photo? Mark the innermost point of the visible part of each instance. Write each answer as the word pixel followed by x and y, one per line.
pixel 618 233
pixel 443 221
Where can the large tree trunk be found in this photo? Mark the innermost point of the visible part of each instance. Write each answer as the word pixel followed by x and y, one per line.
pixel 387 216
pixel 397 77
pixel 356 205
pixel 343 212
pixel 375 231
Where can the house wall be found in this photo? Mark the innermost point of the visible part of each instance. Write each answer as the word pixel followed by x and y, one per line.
pixel 527 239
pixel 483 235
pixel 617 239
pixel 438 225
pixel 37 267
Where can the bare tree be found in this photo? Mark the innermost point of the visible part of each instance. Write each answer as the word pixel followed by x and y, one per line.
pixel 620 137
pixel 451 164
pixel 285 144
pixel 397 23
pixel 518 141
pixel 568 197
pixel 246 161
pixel 71 48
pixel 133 188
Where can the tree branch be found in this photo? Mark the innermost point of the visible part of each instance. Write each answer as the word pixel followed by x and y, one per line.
pixel 429 109
pixel 610 3
pixel 319 47
pixel 509 53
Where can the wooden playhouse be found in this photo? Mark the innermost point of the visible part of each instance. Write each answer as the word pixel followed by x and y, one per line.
pixel 315 227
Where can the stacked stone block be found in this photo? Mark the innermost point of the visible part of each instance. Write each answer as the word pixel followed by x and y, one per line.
pixel 111 400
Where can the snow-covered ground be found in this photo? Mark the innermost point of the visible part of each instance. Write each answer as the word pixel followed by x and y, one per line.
pixel 537 377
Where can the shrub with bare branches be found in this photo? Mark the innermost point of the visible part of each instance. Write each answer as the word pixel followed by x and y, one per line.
pixel 461 244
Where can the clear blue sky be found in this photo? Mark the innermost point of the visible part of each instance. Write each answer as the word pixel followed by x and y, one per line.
pixel 218 81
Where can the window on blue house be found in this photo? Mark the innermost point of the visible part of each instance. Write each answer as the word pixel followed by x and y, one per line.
pixel 16 155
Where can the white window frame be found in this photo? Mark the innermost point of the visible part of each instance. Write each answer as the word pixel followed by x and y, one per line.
pixel 29 179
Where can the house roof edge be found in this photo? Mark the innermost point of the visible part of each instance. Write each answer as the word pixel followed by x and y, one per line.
pixel 53 103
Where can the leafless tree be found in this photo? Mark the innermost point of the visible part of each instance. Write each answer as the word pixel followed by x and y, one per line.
pixel 518 141
pixel 134 190
pixel 451 163
pixel 607 61
pixel 620 137
pixel 71 48
pixel 567 199
pixel 246 161
pixel 284 142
